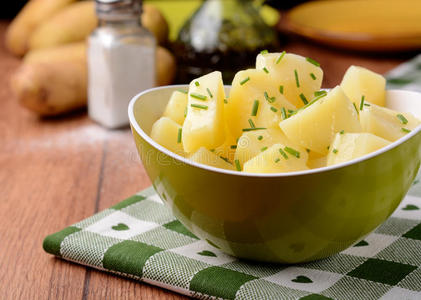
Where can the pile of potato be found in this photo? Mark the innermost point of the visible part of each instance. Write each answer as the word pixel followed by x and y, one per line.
pixel 276 118
pixel 50 35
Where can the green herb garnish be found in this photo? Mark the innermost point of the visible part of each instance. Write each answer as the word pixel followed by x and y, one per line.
pixel 182 91
pixel 233 146
pixel 405 130
pixel 225 101
pixel 277 160
pixel 303 98
pixel 283 113
pixel 264 149
pixel 266 70
pixel 197 83
pixel 402 119
pixel 198 96
pixel 244 81
pixel 209 92
pixel 297 81
pixel 319 93
pixel 280 57
pixel 180 130
pixel 292 152
pixel 308 150
pixel 362 102
pixel 342 131
pixel 313 76
pixel 274 109
pixel 356 109
pixel 226 159
pixel 255 108
pixel 269 99
pixel 251 123
pixel 185 112
pixel 260 137
pixel 205 107
pixel 367 104
pixel 252 129
pixel 237 165
pixel 281 89
pixel 212 150
pixel 335 151
pixel 264 52
pixel 312 61
pixel 283 153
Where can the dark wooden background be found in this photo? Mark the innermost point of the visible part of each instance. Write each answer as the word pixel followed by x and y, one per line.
pixel 56 172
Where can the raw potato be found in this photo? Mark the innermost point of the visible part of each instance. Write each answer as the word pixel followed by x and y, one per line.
pixel 204 156
pixel 73 23
pixel 205 127
pixel 153 20
pixel 176 107
pixel 349 146
pixel 283 73
pixel 51 88
pixel 70 52
pixel 385 123
pixel 251 143
pixel 34 13
pixel 358 82
pixel 243 95
pixel 165 66
pixel 165 132
pixel 315 126
pixel 272 161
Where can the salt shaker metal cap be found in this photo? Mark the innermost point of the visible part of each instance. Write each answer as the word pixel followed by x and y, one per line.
pixel 117 9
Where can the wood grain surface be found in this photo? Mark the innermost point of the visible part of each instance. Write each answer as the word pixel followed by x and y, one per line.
pixel 55 172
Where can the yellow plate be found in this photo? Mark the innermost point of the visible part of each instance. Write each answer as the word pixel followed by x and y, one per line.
pixel 378 25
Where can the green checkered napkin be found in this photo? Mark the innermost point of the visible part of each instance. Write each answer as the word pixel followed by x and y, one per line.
pixel 140 238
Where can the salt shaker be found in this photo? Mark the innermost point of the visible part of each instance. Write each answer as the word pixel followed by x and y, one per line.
pixel 121 61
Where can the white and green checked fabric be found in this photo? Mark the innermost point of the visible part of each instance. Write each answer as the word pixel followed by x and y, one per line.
pixel 139 238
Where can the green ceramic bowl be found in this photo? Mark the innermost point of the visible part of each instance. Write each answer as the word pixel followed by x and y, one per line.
pixel 281 217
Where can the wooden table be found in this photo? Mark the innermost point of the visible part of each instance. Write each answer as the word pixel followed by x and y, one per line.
pixel 55 172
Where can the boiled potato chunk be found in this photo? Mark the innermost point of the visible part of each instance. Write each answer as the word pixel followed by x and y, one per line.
pixel 206 157
pixel 386 123
pixel 296 74
pixel 315 126
pixel 204 124
pixel 166 132
pixel 317 162
pixel 273 161
pixel 248 87
pixel 348 146
pixel 252 143
pixel 176 107
pixel 359 82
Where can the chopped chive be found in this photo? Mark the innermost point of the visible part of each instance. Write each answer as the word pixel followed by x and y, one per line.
pixel 237 140
pixel 367 104
pixel 313 76
pixel 328 147
pixel 180 130
pixel 319 93
pixel 182 91
pixel 277 160
pixel 405 130
pixel 356 109
pixel 264 149
pixel 260 137
pixel 185 112
pixel 197 83
pixel 198 96
pixel 283 113
pixel 264 52
pixel 205 107
pixel 402 119
pixel 303 98
pixel 308 150
pixel 280 57
pixel 362 102
pixel 281 89
pixel 292 151
pixel 255 108
pixel 312 61
pixel 225 101
pixel 297 81
pixel 269 99
pixel 252 123
pixel 233 146
pixel 274 109
pixel 342 131
pixel 283 153
pixel 212 150
pixel 266 70
pixel 209 92
pixel 291 111
pixel 226 159
pixel 244 81
pixel 237 165
pixel 335 151
pixel 252 129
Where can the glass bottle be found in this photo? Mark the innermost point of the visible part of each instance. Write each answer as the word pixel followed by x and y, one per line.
pixel 223 35
pixel 121 61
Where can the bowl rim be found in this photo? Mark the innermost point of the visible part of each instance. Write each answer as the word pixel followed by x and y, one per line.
pixel 187 161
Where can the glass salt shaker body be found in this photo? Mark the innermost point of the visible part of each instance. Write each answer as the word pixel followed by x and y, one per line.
pixel 121 61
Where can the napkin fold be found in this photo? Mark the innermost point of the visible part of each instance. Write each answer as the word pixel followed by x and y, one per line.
pixel 140 238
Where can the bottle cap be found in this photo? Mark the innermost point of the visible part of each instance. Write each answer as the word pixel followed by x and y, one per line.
pixel 118 9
